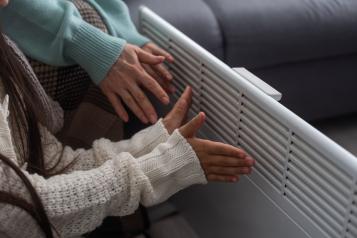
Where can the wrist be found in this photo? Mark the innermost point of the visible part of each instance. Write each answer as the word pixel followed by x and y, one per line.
pixel 168 125
pixel 94 50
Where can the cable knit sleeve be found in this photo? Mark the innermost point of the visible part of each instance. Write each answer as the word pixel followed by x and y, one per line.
pixel 59 157
pixel 77 202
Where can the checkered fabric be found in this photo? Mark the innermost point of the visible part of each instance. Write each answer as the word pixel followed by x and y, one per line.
pixel 69 85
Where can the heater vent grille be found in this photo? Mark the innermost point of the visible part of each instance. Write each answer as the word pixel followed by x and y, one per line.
pixel 309 176
pixel 318 187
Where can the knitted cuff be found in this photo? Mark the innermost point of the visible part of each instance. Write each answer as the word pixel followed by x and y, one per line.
pixel 154 135
pixel 94 50
pixel 171 167
pixel 138 39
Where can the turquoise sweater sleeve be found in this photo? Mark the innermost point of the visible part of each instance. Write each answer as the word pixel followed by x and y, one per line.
pixel 53 32
pixel 116 16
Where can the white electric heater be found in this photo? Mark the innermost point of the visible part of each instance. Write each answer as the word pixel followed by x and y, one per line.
pixel 303 185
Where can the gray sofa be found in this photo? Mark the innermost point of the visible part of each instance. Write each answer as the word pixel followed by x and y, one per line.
pixel 307 49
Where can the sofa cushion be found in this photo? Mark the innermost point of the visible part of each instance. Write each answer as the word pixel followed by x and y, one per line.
pixel 316 89
pixel 193 17
pixel 259 33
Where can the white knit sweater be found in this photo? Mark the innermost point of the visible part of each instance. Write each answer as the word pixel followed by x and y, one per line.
pixel 111 179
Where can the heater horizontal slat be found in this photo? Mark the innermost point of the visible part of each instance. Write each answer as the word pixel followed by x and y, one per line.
pixel 353 220
pixel 221 121
pixel 158 41
pixel 213 119
pixel 352 231
pixel 352 223
pixel 225 138
pixel 327 200
pixel 326 164
pixel 227 89
pixel 295 198
pixel 154 30
pixel 264 158
pixel 279 148
pixel 155 35
pixel 351 235
pixel 318 172
pixel 186 64
pixel 213 90
pixel 189 77
pixel 354 208
pixel 263 144
pixel 270 122
pixel 220 109
pixel 185 57
pixel 179 85
pixel 315 203
pixel 181 82
pixel 263 167
pixel 337 200
pixel 254 119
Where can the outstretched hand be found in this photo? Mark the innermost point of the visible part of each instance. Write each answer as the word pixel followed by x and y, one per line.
pixel 219 161
pixel 178 113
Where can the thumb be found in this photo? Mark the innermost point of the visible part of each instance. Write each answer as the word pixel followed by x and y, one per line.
pixel 190 129
pixel 147 58
pixel 180 109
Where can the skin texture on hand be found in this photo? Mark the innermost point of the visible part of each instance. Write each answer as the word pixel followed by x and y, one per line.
pixel 125 80
pixel 160 72
pixel 175 118
pixel 219 161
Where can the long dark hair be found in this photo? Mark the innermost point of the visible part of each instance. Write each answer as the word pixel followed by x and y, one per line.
pixel 24 122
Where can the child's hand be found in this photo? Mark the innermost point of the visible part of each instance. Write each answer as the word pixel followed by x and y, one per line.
pixel 177 115
pixel 220 162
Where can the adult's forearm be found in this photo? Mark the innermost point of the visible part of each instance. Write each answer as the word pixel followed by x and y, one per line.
pixel 116 16
pixel 53 32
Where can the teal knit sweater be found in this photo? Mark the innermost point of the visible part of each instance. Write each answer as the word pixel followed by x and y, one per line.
pixel 53 32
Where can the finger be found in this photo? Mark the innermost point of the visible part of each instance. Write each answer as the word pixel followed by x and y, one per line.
pixel 147 58
pixel 159 51
pixel 118 107
pixel 190 129
pixel 162 70
pixel 148 82
pixel 222 178
pixel 151 72
pixel 218 148
pixel 166 85
pixel 180 109
pixel 225 161
pixel 171 88
pixel 143 102
pixel 134 107
pixel 231 171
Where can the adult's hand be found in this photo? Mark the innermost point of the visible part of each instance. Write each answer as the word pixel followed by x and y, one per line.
pixel 125 79
pixel 159 71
